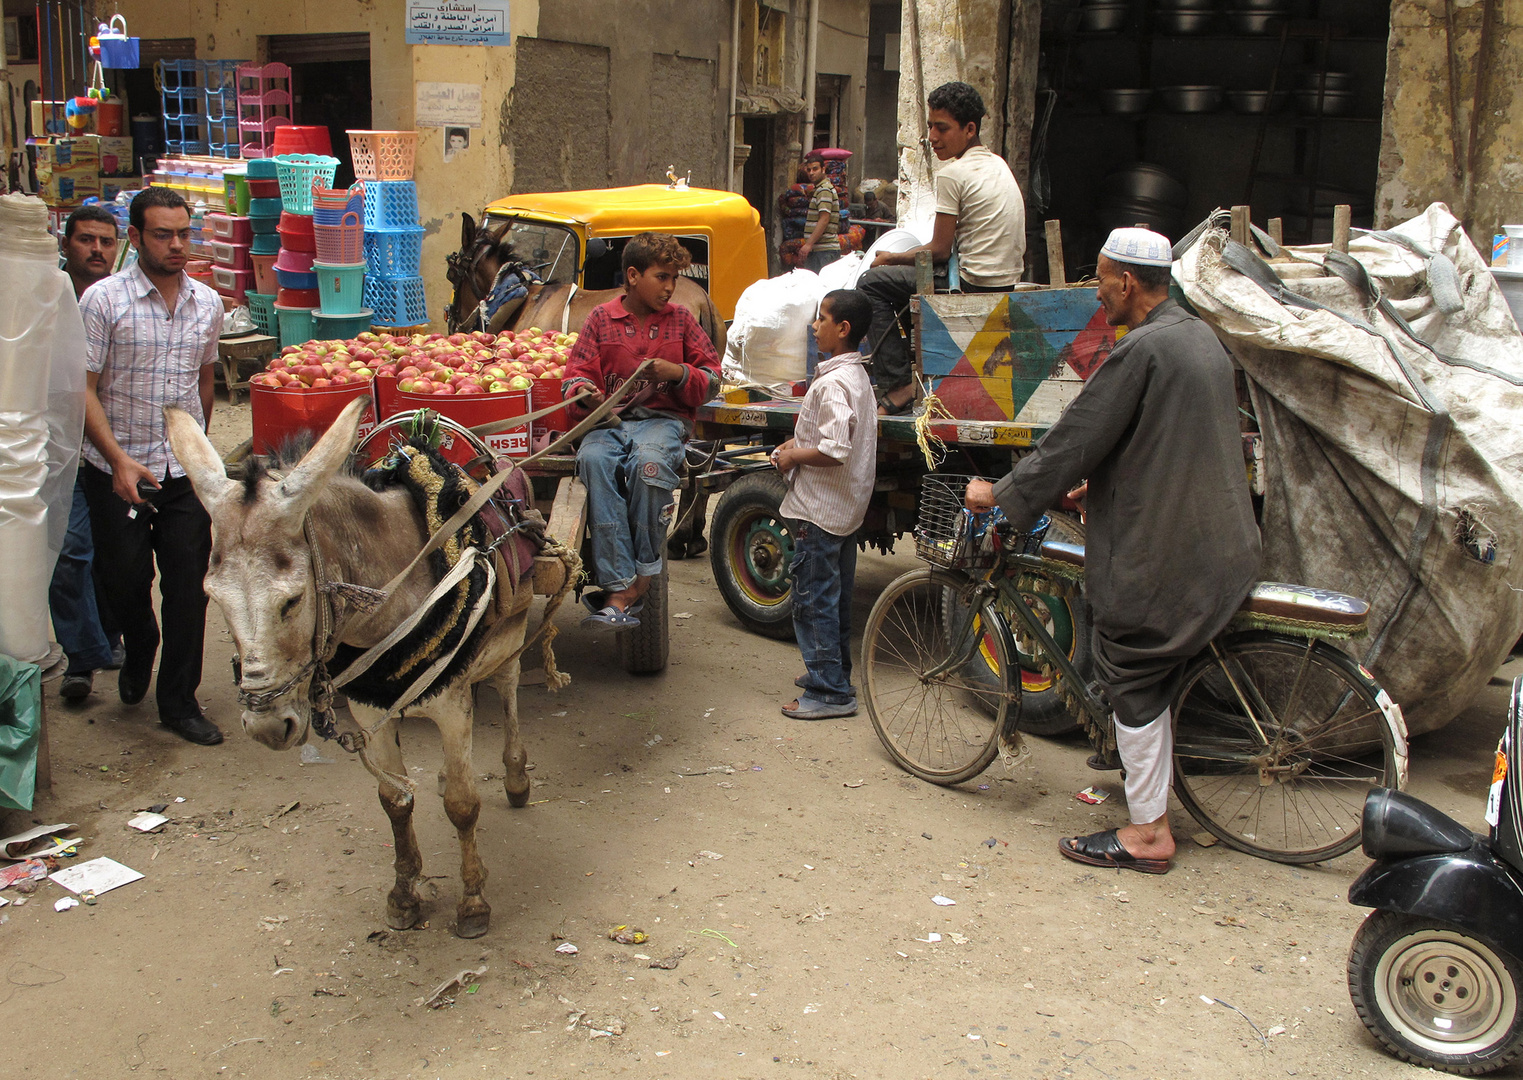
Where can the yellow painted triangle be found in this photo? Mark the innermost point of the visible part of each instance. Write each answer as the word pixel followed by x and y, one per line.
pixel 994 376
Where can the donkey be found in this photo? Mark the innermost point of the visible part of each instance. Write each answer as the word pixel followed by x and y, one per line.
pixel 473 270
pixel 278 536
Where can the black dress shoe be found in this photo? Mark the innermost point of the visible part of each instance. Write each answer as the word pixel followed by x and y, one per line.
pixel 118 657
pixel 197 729
pixel 131 686
pixel 75 688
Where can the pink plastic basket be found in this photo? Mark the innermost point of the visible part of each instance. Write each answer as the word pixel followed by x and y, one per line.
pixel 340 244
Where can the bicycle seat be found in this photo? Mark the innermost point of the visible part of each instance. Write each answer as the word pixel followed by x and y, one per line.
pixel 1070 555
pixel 1301 609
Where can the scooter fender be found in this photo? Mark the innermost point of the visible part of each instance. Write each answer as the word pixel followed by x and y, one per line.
pixel 1470 889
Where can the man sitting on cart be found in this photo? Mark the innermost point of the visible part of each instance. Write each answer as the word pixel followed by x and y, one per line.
pixel 632 467
pixel 978 207
pixel 1173 546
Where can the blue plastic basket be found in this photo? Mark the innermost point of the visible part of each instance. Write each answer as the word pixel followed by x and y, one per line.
pixel 396 301
pixel 395 252
pixel 391 204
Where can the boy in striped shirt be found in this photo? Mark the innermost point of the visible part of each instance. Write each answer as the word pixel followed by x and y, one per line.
pixel 829 464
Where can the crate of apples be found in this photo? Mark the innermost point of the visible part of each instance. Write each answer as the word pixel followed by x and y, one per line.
pixel 476 363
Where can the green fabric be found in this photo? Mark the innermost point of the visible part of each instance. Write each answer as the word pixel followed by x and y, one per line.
pixel 20 728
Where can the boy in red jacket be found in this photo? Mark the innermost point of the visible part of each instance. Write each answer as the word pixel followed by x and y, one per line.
pixel 631 469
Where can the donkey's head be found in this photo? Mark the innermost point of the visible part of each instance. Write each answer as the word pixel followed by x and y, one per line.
pixel 261 573
pixel 473 269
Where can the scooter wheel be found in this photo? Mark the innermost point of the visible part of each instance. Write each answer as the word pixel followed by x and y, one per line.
pixel 1435 994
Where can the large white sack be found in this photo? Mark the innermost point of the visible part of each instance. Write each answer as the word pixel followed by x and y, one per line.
pixel 843 273
pixel 768 342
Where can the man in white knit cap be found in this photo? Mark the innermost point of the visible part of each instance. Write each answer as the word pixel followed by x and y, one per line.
pixel 1172 543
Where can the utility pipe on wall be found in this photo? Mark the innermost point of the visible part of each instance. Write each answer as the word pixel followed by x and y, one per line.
pixel 811 56
pixel 729 155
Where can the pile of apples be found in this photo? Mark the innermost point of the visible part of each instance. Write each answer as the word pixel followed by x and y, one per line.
pixel 465 364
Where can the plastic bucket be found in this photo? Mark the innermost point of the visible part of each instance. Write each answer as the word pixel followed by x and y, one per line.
pixel 294 262
pixel 296 232
pixel 291 280
pixel 265 244
pixel 295 324
pixel 301 139
pixel 294 298
pixel 471 410
pixel 328 326
pixel 264 273
pixel 340 287
pixel 280 415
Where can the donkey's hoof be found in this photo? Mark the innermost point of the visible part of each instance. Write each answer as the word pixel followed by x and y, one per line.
pixel 518 799
pixel 473 925
pixel 697 547
pixel 403 918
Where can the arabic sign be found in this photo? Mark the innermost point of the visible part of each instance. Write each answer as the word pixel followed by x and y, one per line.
pixel 458 22
pixel 441 103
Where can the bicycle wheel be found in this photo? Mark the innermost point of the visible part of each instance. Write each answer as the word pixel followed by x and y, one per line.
pixel 942 725
pixel 1288 782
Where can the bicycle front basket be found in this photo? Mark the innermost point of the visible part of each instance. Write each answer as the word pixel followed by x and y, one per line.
pixel 947 534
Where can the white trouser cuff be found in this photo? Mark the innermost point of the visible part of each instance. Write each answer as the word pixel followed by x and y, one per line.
pixel 1147 753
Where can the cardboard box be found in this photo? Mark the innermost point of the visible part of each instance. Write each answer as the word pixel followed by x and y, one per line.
pixel 73 153
pixel 112 186
pixel 115 154
pixel 59 189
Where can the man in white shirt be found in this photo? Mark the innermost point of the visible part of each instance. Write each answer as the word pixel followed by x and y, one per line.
pixel 979 208
pixel 152 333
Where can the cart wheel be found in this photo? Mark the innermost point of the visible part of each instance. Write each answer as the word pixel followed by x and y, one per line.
pixel 750 552
pixel 644 649
pixel 1435 994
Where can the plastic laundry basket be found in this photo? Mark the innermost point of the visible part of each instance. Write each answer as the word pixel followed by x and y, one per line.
pixel 341 289
pixel 298 174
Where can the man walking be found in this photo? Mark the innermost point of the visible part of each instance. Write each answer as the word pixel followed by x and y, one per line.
pixel 152 333
pixel 1173 547
pixel 81 618
pixel 822 225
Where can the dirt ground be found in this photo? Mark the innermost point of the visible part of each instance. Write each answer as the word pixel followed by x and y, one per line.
pixel 789 864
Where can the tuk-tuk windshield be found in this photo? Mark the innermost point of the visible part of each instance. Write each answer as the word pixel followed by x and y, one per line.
pixel 548 249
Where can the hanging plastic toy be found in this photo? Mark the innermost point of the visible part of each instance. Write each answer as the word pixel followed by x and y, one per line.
pixel 79 112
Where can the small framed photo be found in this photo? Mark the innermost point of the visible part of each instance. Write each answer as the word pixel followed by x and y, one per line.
pixel 12 39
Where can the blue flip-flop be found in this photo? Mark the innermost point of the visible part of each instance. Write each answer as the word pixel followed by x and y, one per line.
pixel 611 618
pixel 809 708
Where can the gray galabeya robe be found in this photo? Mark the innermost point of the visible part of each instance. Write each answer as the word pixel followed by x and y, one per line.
pixel 1171 547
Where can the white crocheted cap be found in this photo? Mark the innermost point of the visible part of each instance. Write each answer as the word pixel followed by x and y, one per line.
pixel 1143 247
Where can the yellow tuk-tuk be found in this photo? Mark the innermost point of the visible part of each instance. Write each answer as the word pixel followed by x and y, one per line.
pixel 578 236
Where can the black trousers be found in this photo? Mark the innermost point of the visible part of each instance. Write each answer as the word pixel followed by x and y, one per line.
pixel 888 335
pixel 179 535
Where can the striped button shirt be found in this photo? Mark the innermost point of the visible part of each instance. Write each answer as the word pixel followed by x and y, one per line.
pixel 147 358
pixel 839 417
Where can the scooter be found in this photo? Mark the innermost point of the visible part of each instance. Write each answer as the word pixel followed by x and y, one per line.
pixel 1436 970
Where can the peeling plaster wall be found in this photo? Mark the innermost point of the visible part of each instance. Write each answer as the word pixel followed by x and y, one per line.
pixel 1417 151
pixel 233 28
pixel 959 40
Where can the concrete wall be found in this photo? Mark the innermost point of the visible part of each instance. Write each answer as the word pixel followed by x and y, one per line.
pixel 842 50
pixel 668 92
pixel 1418 140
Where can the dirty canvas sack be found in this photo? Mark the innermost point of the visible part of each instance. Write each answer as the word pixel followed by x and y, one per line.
pixel 1388 385
pixel 768 343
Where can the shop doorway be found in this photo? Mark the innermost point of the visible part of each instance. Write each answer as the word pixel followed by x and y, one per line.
pixel 330 86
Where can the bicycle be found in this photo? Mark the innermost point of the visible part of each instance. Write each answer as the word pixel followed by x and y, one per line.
pixel 1278 735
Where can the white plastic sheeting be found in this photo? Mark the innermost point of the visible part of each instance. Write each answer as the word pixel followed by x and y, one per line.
pixel 1389 390
pixel 768 342
pixel 42 416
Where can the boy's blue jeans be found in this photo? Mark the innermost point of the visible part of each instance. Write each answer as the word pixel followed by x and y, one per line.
pixel 630 472
pixel 824 569
pixel 72 598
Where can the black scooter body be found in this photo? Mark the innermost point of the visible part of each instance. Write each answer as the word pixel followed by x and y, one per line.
pixel 1421 869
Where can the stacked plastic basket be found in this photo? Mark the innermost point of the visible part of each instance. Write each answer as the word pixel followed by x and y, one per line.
pixel 298 295
pixel 263 214
pixel 338 230
pixel 393 237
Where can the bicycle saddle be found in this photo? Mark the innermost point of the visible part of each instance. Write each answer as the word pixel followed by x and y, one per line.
pixel 1275 605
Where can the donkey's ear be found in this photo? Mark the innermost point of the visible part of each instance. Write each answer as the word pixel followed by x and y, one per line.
pixel 197 457
pixel 302 484
pixel 467 232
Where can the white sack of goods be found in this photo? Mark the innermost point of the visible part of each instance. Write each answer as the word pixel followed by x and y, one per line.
pixel 768 343
pixel 42 416
pixel 1388 386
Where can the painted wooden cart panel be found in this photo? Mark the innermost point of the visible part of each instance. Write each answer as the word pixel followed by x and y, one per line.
pixel 1004 364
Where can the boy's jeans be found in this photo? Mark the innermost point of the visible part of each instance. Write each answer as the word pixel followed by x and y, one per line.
pixel 824 569
pixel 72 595
pixel 630 472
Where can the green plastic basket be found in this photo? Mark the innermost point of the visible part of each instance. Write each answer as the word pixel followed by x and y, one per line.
pixel 262 311
pixel 298 174
pixel 295 325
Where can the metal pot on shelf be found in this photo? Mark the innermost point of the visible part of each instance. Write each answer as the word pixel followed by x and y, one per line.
pixel 1125 102
pixel 1334 102
pixel 1184 21
pixel 1254 102
pixel 1104 18
pixel 1191 99
pixel 1254 21
pixel 1333 80
pixel 1146 182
